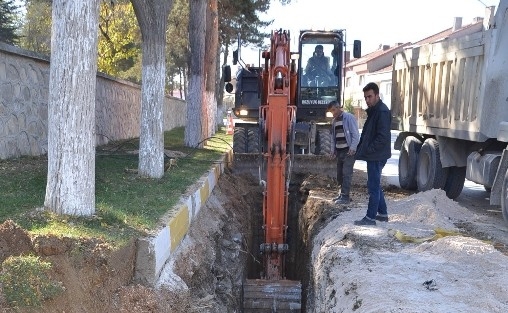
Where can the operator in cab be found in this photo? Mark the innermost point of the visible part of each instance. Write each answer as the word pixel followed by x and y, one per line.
pixel 317 71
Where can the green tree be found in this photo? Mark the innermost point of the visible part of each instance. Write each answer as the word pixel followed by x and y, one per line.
pixel 119 40
pixel 9 11
pixel 242 17
pixel 177 42
pixel 234 17
pixel 348 105
pixel 119 51
pixel 36 26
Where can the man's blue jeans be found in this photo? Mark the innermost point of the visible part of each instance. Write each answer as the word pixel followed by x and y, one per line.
pixel 377 204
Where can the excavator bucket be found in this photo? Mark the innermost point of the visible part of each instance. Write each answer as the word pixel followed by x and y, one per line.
pixel 261 295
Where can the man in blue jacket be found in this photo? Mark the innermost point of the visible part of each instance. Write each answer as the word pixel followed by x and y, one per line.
pixel 345 138
pixel 375 149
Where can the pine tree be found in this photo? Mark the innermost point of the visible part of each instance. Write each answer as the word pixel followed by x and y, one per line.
pixel 8 15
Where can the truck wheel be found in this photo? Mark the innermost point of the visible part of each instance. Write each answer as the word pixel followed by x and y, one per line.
pixel 455 181
pixel 253 140
pixel 323 142
pixel 239 140
pixel 429 173
pixel 504 197
pixel 408 160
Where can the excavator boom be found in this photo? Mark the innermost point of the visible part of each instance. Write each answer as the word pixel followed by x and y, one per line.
pixel 273 292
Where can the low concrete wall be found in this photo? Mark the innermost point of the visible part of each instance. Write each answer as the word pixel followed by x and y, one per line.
pixel 24 90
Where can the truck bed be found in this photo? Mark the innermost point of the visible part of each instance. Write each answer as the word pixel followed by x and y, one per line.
pixel 455 88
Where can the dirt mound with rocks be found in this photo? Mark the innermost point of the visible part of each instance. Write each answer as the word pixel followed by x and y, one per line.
pixel 88 269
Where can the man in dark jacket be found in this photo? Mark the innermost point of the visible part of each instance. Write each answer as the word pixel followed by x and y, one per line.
pixel 375 148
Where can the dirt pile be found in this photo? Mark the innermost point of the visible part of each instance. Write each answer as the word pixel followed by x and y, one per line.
pixel 90 271
pixel 421 261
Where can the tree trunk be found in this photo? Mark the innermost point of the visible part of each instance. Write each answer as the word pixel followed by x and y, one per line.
pixel 152 18
pixel 70 186
pixel 211 44
pixel 196 130
pixel 219 88
pixel 221 106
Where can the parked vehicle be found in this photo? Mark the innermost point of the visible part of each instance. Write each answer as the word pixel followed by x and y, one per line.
pixel 450 103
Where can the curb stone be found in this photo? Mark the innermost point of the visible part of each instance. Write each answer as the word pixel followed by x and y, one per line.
pixel 154 251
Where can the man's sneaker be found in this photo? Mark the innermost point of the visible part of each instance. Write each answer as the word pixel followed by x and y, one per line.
pixel 343 200
pixel 365 222
pixel 382 218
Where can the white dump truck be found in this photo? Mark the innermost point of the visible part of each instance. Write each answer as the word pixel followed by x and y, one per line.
pixel 450 103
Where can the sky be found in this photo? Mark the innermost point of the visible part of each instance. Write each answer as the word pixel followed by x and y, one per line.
pixel 374 22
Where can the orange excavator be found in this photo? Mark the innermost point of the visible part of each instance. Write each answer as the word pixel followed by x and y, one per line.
pixel 277 115
pixel 283 123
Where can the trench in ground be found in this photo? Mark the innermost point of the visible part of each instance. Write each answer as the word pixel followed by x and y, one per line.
pixel 222 248
pixel 298 256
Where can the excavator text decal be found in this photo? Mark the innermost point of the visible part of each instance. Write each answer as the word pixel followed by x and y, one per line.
pixel 315 102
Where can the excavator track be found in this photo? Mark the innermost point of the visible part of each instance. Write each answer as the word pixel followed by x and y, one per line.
pixel 261 295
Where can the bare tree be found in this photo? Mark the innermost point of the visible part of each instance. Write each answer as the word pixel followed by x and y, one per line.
pixel 152 17
pixel 70 186
pixel 196 130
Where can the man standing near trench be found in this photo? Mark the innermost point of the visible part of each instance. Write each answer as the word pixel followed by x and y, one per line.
pixel 345 138
pixel 375 149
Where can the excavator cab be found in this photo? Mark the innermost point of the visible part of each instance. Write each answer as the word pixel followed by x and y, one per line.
pixel 320 76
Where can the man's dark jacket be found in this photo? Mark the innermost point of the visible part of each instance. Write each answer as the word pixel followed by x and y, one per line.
pixel 375 141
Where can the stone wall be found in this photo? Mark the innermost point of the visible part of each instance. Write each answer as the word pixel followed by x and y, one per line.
pixel 24 89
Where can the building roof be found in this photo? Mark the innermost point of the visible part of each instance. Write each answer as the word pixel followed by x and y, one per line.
pixel 475 26
pixel 384 51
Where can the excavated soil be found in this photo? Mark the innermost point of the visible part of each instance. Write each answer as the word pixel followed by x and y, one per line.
pixel 206 272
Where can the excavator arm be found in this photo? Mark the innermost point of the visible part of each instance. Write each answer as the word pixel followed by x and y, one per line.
pixel 278 115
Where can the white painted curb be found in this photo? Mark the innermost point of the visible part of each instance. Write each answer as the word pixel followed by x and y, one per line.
pixel 154 251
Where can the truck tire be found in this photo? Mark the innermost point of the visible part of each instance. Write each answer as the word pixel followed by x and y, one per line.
pixel 408 160
pixel 455 181
pixel 504 197
pixel 253 140
pixel 239 140
pixel 323 142
pixel 429 173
